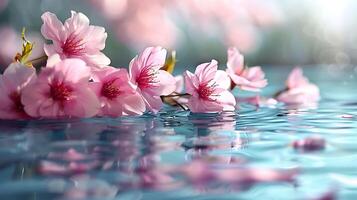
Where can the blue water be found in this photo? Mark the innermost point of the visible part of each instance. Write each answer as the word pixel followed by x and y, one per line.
pixel 151 157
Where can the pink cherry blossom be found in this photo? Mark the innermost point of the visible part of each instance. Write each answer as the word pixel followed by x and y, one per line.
pixel 208 87
pixel 116 94
pixel 299 90
pixel 75 39
pixel 15 78
pixel 61 91
pixel 250 79
pixel 151 82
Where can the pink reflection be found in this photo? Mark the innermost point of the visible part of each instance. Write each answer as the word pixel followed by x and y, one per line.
pixel 259 101
pixel 308 144
pixel 67 163
pixel 200 173
pixel 153 176
pixel 88 187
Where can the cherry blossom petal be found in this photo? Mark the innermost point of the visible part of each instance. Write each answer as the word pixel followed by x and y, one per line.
pixel 52 28
pixel 235 62
pixel 153 103
pixel 197 105
pixel 78 23
pixel 191 82
pixel 296 78
pixel 179 83
pixel 222 79
pixel 206 71
pixel 85 104
pixel 227 100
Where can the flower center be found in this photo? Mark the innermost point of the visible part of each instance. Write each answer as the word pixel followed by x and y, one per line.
pixel 60 92
pixel 206 91
pixel 109 90
pixel 16 99
pixel 73 46
pixel 147 78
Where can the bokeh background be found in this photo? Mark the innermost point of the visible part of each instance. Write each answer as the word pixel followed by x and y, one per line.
pixel 268 32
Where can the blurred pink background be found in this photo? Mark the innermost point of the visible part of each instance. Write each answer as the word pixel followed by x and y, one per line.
pixel 268 32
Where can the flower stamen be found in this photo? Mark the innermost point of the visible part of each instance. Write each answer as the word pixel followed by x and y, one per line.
pixel 109 90
pixel 73 46
pixel 60 92
pixel 206 91
pixel 147 78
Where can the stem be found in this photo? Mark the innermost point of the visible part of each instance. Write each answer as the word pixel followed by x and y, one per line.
pixel 169 99
pixel 279 92
pixel 38 59
pixel 177 95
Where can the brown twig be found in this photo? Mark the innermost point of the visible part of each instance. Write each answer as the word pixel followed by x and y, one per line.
pixel 38 59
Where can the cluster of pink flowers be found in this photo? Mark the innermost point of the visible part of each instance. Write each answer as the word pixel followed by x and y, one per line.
pixel 78 81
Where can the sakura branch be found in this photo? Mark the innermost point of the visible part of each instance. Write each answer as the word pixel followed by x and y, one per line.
pixel 77 81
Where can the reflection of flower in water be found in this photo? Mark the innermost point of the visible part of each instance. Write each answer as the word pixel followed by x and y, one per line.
pixel 67 163
pixel 202 173
pixel 130 152
pixel 215 133
pixel 259 101
pixel 308 144
pixel 87 187
pixel 236 22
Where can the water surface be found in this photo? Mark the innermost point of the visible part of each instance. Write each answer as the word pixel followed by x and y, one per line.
pixel 247 154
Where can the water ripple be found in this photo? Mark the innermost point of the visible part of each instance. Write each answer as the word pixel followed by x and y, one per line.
pixel 247 154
